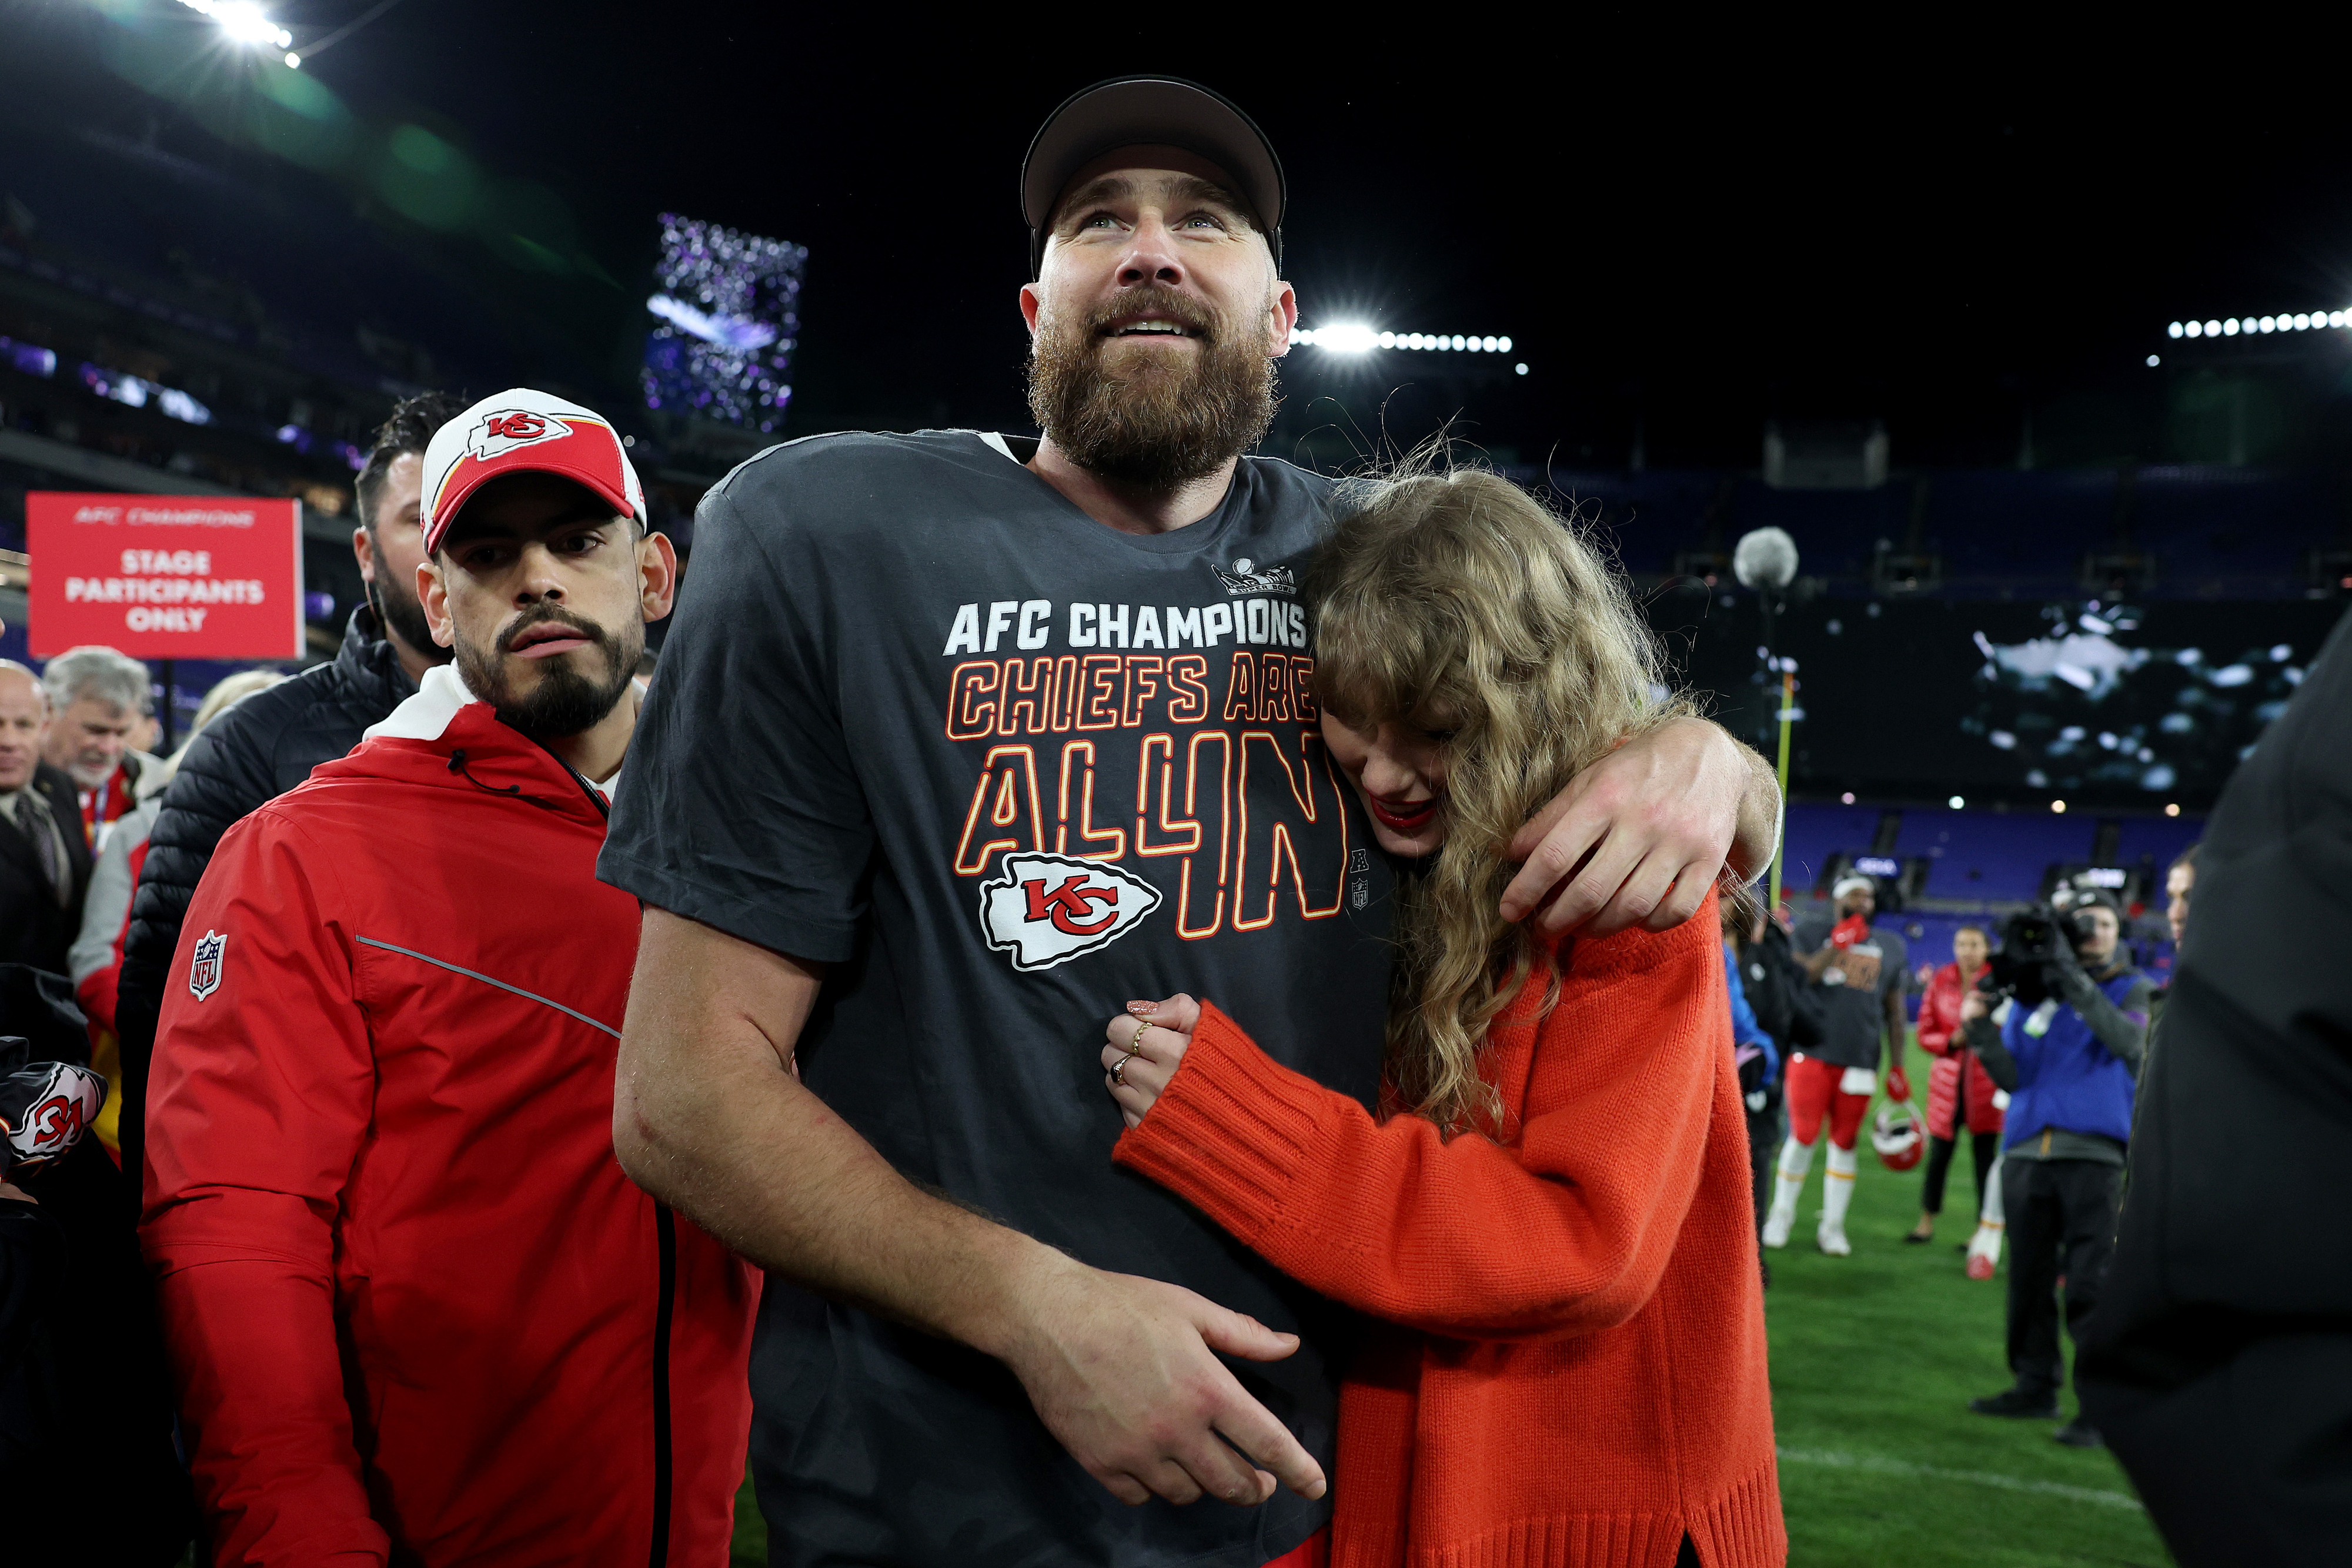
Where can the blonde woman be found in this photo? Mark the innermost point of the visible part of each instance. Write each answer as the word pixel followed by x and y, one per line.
pixel 1550 1215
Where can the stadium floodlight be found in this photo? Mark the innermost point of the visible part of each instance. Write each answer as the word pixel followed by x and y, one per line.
pixel 1356 337
pixel 2256 326
pixel 244 22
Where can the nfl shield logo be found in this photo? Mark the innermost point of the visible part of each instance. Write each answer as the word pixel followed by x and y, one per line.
pixel 204 974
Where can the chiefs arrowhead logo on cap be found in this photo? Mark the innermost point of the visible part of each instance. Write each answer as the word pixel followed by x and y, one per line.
pixel 522 431
pixel 1047 909
pixel 496 434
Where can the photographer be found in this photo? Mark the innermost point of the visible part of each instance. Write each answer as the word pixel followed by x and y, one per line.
pixel 2068 1048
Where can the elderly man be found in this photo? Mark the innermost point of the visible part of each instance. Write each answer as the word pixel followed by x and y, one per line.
pixel 44 858
pixel 417 1313
pixel 961 742
pixel 98 697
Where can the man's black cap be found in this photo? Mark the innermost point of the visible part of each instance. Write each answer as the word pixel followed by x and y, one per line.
pixel 1149 110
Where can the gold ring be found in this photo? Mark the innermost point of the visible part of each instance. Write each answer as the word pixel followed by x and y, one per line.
pixel 1135 1041
pixel 1119 1069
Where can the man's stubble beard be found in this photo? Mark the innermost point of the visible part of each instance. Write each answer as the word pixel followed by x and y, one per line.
pixel 565 702
pixel 397 608
pixel 1121 414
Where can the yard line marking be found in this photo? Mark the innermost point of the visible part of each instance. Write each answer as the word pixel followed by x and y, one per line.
pixel 1885 1466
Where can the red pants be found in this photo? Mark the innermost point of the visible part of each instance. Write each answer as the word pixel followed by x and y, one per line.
pixel 1812 1090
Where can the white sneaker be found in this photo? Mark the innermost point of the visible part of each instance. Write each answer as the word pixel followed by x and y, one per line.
pixel 1984 1253
pixel 1832 1241
pixel 1777 1226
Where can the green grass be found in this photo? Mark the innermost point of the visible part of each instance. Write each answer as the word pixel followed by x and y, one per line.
pixel 1874 1358
pixel 750 1548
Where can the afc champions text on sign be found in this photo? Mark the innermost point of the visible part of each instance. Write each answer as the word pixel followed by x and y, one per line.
pixel 165 577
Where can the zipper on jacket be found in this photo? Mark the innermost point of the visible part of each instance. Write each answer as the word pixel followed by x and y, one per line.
pixel 595 795
pixel 666 1228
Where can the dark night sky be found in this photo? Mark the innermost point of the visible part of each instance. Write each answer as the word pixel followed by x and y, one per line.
pixel 1684 231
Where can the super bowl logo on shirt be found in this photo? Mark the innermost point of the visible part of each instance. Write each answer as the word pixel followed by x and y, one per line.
pixel 1045 909
pixel 1243 576
pixel 499 432
pixel 205 973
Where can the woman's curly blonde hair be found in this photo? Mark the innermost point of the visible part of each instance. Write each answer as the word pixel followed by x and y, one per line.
pixel 1451 601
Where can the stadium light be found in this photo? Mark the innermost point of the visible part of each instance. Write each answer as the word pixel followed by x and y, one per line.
pixel 1354 338
pixel 246 23
pixel 2059 807
pixel 2256 326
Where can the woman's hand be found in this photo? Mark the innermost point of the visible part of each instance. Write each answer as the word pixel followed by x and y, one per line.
pixel 1974 1007
pixel 1148 1043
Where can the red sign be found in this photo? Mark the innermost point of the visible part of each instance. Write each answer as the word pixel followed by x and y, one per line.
pixel 165 577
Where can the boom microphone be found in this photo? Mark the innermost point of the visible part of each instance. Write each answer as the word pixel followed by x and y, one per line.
pixel 1766 557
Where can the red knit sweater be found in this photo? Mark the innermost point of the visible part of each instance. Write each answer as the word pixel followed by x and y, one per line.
pixel 1575 1370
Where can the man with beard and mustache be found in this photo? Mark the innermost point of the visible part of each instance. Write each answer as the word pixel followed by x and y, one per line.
pixel 416 1312
pixel 267 744
pixel 959 737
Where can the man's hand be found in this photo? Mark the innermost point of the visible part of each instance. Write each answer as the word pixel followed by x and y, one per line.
pixel 1121 1371
pixel 1974 1007
pixel 1898 1085
pixel 1639 837
pixel 709 1116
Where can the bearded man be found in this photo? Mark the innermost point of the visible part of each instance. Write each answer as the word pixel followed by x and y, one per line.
pixel 416 1313
pixel 267 744
pixel 959 737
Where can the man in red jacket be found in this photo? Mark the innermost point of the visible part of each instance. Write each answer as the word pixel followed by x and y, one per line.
pixel 416 1313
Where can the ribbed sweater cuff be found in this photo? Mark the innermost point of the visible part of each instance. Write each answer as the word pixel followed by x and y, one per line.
pixel 1231 1132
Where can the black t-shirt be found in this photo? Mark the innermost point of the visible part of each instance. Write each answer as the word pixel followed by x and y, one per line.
pixel 1853 989
pixel 1005 768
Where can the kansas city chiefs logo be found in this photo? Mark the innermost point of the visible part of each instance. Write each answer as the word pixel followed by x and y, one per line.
pixel 1047 909
pixel 495 434
pixel 205 974
pixel 63 1103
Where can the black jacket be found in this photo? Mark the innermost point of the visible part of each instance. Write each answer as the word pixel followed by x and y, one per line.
pixel 250 755
pixel 34 928
pixel 84 1390
pixel 1788 1006
pixel 2219 1362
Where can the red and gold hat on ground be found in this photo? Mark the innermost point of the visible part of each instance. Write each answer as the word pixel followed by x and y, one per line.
pixel 524 431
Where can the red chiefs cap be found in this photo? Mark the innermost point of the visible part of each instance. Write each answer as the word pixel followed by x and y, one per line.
pixel 524 431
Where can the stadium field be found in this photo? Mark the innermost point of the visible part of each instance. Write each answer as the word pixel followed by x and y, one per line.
pixel 1874 1358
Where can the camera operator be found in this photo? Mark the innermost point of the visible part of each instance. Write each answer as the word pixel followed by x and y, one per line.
pixel 2068 1048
